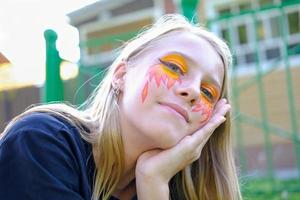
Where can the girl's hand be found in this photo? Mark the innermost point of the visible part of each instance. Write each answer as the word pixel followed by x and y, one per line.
pixel 159 166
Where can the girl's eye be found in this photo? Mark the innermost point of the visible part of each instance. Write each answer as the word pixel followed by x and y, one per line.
pixel 172 66
pixel 207 94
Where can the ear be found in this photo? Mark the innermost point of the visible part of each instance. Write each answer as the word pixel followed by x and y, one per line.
pixel 119 75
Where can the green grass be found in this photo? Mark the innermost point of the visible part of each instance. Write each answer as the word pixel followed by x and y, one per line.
pixel 262 189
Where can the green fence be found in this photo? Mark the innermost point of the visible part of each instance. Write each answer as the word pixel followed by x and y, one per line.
pixel 257 80
pixel 239 26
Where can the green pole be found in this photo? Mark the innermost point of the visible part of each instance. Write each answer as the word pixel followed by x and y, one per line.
pixel 53 89
pixel 291 99
pixel 189 9
pixel 236 118
pixel 262 104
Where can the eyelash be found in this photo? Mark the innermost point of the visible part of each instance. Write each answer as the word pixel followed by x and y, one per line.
pixel 172 66
pixel 178 70
pixel 207 94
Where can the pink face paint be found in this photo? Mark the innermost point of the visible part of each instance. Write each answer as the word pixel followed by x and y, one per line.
pixel 205 108
pixel 160 74
pixel 163 74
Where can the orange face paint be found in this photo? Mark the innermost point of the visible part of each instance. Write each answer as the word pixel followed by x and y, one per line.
pixel 206 104
pixel 212 91
pixel 177 60
pixel 145 92
pixel 168 72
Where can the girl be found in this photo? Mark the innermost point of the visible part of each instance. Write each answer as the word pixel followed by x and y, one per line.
pixel 157 127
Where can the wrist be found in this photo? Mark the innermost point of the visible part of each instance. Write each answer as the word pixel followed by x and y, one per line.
pixel 149 187
pixel 145 175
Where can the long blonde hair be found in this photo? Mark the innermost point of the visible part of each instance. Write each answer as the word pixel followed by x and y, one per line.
pixel 212 176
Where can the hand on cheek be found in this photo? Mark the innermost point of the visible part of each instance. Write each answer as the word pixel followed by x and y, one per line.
pixel 207 101
pixel 162 165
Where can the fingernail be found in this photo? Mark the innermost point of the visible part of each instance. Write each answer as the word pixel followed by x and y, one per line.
pixel 223 119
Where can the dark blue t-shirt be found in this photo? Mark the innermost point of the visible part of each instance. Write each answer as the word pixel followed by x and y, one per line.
pixel 43 157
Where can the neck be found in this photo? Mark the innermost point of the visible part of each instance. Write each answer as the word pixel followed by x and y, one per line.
pixel 134 145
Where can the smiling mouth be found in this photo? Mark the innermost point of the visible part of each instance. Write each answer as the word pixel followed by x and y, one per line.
pixel 178 110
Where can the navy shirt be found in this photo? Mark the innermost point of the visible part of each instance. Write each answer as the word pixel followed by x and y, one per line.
pixel 44 157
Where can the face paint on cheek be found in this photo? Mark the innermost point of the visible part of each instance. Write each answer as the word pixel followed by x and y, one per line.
pixel 145 92
pixel 161 75
pixel 205 108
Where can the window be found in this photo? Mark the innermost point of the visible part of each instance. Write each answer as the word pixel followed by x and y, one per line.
pixel 272 53
pixel 224 11
pixel 245 6
pixel 260 30
pixel 242 31
pixel 293 22
pixel 225 35
pixel 275 26
pixel 250 58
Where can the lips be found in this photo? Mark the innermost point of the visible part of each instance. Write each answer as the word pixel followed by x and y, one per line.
pixel 177 109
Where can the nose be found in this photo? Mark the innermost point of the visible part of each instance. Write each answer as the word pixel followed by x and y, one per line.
pixel 189 92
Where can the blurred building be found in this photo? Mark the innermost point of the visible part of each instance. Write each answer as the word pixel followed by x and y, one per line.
pixel 268 101
pixel 267 27
pixel 114 22
pixel 15 93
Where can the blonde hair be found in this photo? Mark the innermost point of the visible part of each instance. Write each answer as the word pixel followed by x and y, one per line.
pixel 212 176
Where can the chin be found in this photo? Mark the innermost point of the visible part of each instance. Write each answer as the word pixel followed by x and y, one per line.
pixel 167 142
pixel 163 133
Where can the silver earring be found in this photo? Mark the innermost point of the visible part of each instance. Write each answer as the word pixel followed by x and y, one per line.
pixel 116 91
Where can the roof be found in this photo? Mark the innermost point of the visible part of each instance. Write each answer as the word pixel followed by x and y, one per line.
pixel 92 11
pixel 3 59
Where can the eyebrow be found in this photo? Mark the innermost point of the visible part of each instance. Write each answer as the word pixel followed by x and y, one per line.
pixel 187 57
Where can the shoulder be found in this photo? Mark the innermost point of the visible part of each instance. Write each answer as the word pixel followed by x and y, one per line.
pixel 48 157
pixel 43 121
pixel 40 134
pixel 42 126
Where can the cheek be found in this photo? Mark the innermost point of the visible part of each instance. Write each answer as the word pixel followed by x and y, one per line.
pixel 160 76
pixel 204 109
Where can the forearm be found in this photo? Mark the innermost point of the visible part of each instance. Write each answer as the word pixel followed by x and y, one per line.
pixel 147 188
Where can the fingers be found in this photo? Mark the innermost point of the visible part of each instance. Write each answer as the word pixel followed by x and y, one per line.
pixel 220 105
pixel 221 108
pixel 203 134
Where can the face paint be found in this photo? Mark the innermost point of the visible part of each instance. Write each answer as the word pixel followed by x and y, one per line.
pixel 205 108
pixel 168 72
pixel 145 92
pixel 208 96
pixel 209 92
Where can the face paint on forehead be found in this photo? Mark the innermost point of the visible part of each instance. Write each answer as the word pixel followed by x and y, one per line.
pixel 205 108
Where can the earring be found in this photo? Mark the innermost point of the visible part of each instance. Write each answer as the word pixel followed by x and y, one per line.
pixel 116 91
